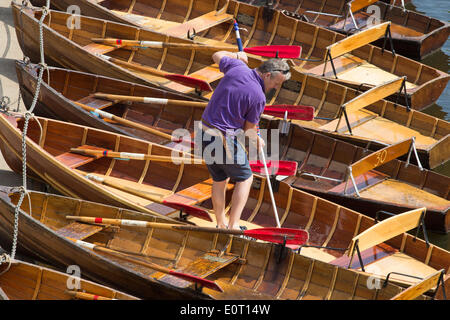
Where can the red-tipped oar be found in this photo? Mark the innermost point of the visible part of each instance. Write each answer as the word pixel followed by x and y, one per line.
pixel 280 51
pixel 276 51
pixel 281 167
pixel 179 78
pixel 203 282
pixel 294 112
pixel 185 208
pixel 276 235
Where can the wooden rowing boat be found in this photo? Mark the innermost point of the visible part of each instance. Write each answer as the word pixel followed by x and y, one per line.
pixel 243 268
pixel 391 185
pixel 373 124
pixel 53 162
pixel 315 153
pixel 414 35
pixel 21 280
pixel 133 184
pixel 353 58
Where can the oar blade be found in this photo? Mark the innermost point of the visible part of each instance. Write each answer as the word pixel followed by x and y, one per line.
pixel 188 209
pixel 280 51
pixel 281 167
pixel 305 113
pixel 286 236
pixel 190 82
pixel 201 281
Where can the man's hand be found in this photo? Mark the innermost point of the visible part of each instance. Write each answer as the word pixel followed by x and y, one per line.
pixel 241 55
pixel 261 143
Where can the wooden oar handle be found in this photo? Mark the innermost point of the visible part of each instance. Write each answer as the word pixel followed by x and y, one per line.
pixel 125 121
pixel 86 295
pixel 161 44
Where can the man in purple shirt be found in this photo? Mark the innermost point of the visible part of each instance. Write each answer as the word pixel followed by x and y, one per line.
pixel 236 105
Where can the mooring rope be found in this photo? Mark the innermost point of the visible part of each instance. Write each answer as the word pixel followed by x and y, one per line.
pixel 27 116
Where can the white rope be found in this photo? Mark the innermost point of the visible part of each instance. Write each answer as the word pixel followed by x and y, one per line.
pixel 29 114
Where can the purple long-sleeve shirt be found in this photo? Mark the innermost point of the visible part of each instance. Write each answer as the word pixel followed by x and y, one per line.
pixel 239 97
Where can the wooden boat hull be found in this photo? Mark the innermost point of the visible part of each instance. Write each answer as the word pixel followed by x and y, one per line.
pixel 257 271
pixel 27 281
pixel 378 124
pixel 329 224
pixel 425 84
pixel 328 148
pixel 324 156
pixel 414 35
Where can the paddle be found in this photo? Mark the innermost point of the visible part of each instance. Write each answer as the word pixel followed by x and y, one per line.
pixel 204 282
pixel 281 167
pixel 198 84
pixel 106 115
pixel 281 51
pixel 305 113
pixel 188 209
pixel 276 235
pixel 266 171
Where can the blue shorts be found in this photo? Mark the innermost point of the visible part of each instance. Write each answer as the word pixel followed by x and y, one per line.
pixel 236 167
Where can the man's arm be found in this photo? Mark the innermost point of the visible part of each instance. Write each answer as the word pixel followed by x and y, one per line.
pixel 217 56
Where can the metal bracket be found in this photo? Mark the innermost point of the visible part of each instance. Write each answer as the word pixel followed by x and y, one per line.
pixel 361 263
pixel 281 250
pixel 193 35
pixel 388 35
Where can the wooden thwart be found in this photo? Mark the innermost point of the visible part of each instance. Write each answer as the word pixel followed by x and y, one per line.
pixel 387 229
pixel 78 231
pixel 201 267
pixel 357 40
pixel 199 24
pixel 380 157
pixel 357 5
pixel 373 95
pixel 421 287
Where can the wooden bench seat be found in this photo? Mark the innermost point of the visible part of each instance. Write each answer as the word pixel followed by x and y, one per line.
pixel 98 48
pixel 78 231
pixel 74 160
pixel 355 70
pixel 201 267
pixel 368 256
pixel 201 23
pixel 363 181
pixel 95 103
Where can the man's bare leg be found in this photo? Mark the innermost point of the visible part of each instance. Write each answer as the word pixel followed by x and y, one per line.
pixel 238 201
pixel 218 201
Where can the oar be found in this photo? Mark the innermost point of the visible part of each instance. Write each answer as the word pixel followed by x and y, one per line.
pixel 238 35
pixel 179 78
pixel 135 156
pixel 295 112
pixel 204 282
pixel 126 122
pixel 86 295
pixel 274 206
pixel 276 235
pixel 188 209
pixel 281 167
pixel 305 113
pixel 281 51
